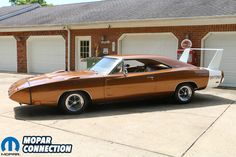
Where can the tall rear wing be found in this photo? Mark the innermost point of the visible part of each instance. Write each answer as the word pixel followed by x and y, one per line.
pixel 214 63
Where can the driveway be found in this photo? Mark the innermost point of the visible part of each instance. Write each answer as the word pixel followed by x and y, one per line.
pixel 206 127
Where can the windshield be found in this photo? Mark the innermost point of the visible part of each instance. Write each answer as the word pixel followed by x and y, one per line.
pixel 105 65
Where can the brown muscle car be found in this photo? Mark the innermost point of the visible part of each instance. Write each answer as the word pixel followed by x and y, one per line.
pixel 115 78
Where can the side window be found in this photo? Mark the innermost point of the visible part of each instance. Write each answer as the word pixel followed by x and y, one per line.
pixel 134 66
pixel 133 63
pixel 144 65
pixel 156 67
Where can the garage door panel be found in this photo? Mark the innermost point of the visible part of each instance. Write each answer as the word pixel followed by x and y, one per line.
pixel 157 43
pixel 227 41
pixel 46 54
pixel 58 60
pixel 46 63
pixel 7 66
pixel 230 80
pixel 8 54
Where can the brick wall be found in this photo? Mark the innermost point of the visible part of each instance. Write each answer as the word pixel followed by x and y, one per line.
pixel 195 33
pixel 21 54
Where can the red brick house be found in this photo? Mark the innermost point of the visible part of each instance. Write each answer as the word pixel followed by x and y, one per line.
pixel 35 39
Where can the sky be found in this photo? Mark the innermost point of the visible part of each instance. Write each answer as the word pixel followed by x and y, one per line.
pixel 55 2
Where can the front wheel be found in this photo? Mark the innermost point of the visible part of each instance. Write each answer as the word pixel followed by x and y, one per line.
pixel 184 93
pixel 73 102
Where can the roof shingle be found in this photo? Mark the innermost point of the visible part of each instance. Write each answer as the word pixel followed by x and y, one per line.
pixel 121 10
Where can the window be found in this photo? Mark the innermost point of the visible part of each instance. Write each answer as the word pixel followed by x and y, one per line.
pixel 133 63
pixel 84 49
pixel 144 65
pixel 105 65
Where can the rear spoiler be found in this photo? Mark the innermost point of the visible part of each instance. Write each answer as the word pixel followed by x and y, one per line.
pixel 215 62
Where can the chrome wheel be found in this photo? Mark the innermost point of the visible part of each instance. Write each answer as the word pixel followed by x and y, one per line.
pixel 74 102
pixel 185 93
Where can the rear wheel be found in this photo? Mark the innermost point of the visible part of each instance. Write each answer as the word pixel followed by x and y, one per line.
pixel 73 102
pixel 184 93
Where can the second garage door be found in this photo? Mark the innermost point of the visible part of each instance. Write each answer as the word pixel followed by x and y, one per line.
pixel 227 41
pixel 45 54
pixel 165 44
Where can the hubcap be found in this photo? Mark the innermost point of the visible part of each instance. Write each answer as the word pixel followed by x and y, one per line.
pixel 185 93
pixel 74 102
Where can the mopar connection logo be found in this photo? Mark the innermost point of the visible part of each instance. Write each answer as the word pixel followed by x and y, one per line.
pixel 10 146
pixel 43 144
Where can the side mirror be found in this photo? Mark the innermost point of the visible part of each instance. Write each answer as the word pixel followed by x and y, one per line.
pixel 127 65
pixel 125 71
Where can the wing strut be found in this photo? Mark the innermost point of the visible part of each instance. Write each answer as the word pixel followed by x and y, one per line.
pixel 214 63
pixel 185 55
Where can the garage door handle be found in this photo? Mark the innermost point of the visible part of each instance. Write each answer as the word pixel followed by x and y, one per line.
pixel 151 77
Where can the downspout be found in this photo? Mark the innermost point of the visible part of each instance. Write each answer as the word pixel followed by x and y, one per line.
pixel 68 47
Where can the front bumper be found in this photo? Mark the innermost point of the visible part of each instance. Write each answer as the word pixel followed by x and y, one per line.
pixel 20 92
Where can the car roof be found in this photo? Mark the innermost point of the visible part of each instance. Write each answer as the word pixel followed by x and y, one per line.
pixel 163 59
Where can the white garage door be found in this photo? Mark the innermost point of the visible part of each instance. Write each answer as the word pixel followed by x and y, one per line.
pixel 8 54
pixel 227 41
pixel 165 44
pixel 45 54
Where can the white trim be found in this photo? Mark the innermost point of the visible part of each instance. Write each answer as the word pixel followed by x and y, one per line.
pixel 31 28
pixel 77 56
pixel 203 46
pixel 190 21
pixel 68 47
pixel 119 46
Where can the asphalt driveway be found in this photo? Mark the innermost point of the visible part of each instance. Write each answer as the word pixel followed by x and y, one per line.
pixel 206 127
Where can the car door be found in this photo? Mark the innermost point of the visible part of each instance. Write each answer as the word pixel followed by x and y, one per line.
pixel 134 84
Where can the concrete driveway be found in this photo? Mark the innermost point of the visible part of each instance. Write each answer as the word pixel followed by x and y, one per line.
pixel 206 127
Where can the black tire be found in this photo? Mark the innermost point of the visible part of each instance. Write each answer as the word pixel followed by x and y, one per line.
pixel 184 93
pixel 73 102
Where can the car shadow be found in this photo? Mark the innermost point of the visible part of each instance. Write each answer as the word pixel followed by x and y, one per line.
pixel 41 113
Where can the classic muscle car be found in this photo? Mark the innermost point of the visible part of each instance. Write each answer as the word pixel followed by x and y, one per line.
pixel 115 78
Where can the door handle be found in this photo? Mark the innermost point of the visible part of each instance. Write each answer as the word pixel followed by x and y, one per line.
pixel 151 77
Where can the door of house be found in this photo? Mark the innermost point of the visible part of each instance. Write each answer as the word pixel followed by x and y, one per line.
pixel 84 51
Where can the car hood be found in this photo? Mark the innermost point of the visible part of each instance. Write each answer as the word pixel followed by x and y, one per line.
pixel 59 76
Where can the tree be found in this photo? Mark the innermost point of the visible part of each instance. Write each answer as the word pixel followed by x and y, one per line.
pixel 24 2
